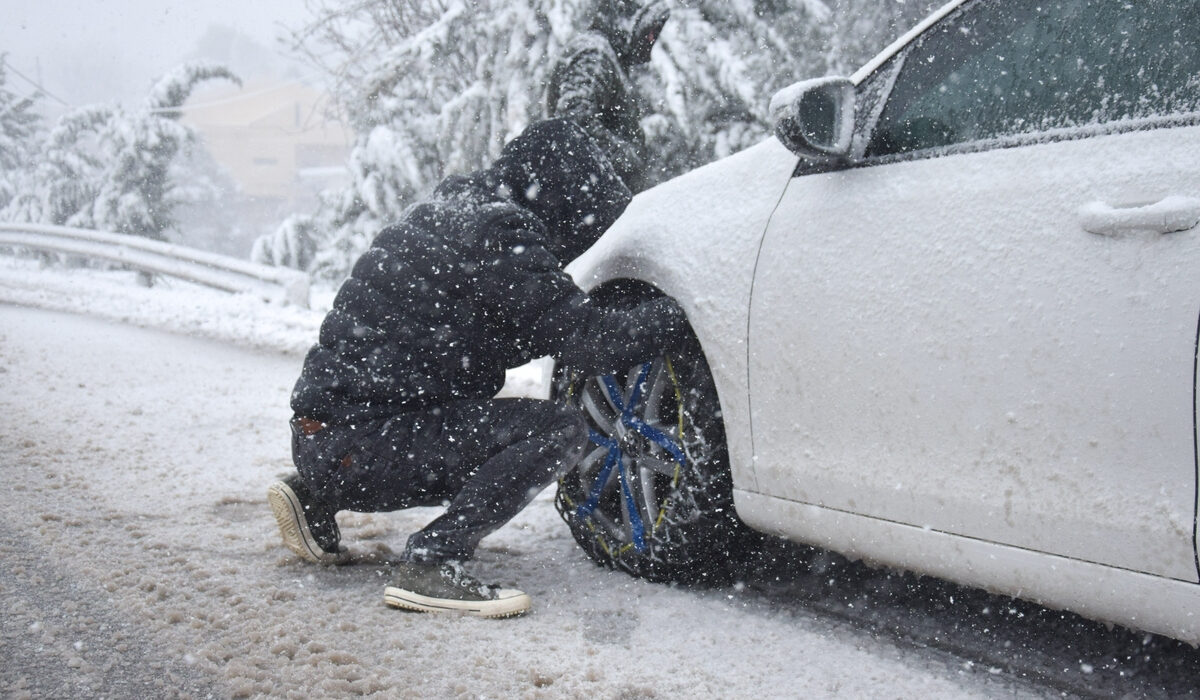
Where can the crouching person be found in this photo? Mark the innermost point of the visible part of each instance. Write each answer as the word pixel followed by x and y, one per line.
pixel 394 406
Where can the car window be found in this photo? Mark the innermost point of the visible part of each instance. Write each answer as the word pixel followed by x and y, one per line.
pixel 869 100
pixel 1009 67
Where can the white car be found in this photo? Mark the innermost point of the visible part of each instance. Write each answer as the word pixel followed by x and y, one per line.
pixel 946 321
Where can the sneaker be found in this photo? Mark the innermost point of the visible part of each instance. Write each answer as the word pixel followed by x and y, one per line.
pixel 445 587
pixel 307 525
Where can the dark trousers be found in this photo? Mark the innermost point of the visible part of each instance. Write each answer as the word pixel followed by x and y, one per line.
pixel 483 460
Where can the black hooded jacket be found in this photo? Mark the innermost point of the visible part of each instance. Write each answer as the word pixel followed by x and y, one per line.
pixel 470 283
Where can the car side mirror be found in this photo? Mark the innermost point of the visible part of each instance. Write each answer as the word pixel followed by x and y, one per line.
pixel 815 118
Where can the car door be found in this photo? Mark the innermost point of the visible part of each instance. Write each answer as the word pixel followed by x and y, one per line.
pixel 987 324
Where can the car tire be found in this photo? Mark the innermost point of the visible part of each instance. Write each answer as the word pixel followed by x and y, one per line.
pixel 652 495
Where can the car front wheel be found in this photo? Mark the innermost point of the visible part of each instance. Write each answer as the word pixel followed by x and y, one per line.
pixel 652 495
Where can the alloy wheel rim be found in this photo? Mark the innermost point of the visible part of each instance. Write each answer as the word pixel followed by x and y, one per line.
pixel 637 453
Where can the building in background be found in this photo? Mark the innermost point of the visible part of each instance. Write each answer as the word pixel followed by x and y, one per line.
pixel 279 143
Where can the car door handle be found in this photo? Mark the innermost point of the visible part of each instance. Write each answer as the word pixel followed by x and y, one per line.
pixel 1167 215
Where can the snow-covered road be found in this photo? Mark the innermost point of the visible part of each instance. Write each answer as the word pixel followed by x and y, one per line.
pixel 138 558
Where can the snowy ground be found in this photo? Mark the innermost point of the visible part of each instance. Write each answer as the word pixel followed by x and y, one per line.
pixel 138 557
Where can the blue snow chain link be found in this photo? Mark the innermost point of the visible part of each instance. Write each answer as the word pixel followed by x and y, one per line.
pixel 615 458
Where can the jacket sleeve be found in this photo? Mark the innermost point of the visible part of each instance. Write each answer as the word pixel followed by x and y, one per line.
pixel 600 341
pixel 586 88
pixel 551 315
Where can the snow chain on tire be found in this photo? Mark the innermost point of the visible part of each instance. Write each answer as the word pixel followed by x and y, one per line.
pixel 672 520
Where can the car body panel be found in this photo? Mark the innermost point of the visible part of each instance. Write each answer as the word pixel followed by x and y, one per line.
pixel 1151 603
pixel 926 350
pixel 680 238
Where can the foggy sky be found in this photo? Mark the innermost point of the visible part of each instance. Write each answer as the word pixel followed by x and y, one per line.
pixel 86 51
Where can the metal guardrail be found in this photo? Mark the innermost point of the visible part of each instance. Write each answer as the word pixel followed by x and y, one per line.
pixel 198 266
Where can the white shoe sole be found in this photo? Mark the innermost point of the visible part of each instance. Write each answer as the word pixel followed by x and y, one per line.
pixel 293 526
pixel 506 604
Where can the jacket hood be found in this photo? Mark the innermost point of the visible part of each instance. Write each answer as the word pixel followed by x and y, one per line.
pixel 555 171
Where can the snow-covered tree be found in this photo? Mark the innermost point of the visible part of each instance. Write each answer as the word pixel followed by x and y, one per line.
pixel 431 87
pixel 62 186
pixel 858 29
pixel 292 245
pixel 438 86
pixel 108 168
pixel 138 193
pixel 20 128
pixel 717 65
